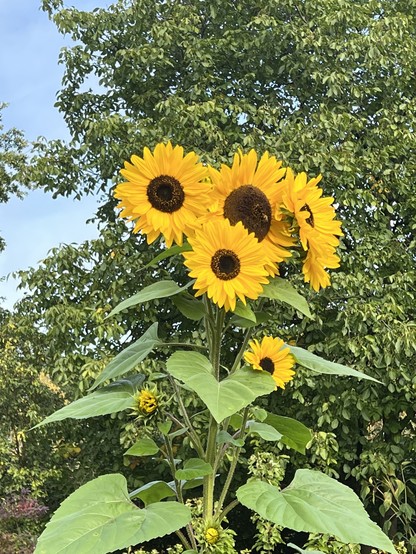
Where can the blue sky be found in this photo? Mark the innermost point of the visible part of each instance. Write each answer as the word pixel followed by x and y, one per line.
pixel 29 79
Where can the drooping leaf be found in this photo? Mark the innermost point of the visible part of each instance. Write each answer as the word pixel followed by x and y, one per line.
pixel 164 427
pixel 222 398
pixel 143 447
pixel 99 517
pixel 294 433
pixel 224 437
pixel 189 306
pixel 116 397
pixel 245 312
pixel 319 365
pixel 280 289
pixel 162 289
pixel 155 491
pixel 261 317
pixel 130 357
pixel 315 503
pixel 263 430
pixel 192 469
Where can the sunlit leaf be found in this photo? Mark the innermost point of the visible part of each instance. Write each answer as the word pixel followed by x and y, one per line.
pixel 315 503
pixel 99 517
pixel 193 468
pixel 280 289
pixel 143 447
pixel 294 433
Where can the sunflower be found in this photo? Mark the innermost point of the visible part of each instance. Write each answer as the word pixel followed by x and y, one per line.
pixel 226 262
pixel 165 193
pixel 147 402
pixel 313 213
pixel 315 264
pixel 250 192
pixel 313 218
pixel 273 356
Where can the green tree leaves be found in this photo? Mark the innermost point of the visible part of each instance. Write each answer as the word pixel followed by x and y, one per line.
pixel 100 518
pixel 313 502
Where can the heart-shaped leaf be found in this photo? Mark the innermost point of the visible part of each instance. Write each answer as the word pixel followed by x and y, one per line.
pixel 263 430
pixel 99 517
pixel 222 398
pixel 153 492
pixel 315 503
pixel 143 447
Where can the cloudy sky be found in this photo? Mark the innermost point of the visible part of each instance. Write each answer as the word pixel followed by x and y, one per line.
pixel 29 79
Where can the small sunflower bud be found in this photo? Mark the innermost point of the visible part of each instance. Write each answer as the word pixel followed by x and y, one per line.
pixel 211 535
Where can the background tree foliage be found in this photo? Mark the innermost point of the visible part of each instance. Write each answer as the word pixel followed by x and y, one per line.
pixel 327 86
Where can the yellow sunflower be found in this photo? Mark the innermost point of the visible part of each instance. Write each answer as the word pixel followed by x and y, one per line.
pixel 250 192
pixel 147 402
pixel 165 193
pixel 313 213
pixel 273 356
pixel 315 264
pixel 226 262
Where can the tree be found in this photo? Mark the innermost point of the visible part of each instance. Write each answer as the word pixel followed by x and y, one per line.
pixel 328 87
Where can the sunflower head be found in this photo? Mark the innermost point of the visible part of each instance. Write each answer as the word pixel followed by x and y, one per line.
pixel 212 535
pixel 226 262
pixel 249 192
pixel 147 402
pixel 273 356
pixel 165 193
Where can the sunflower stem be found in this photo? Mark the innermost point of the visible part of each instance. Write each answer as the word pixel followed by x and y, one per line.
pixel 244 344
pixel 236 452
pixel 214 336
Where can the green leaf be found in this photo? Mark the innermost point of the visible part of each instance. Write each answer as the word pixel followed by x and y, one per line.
pixel 223 398
pixel 109 400
pixel 172 251
pixel 315 503
pixel 192 469
pixel 189 306
pixel 294 433
pixel 245 312
pixel 130 357
pixel 164 427
pixel 153 492
pixel 261 317
pixel 223 437
pixel 265 431
pixel 319 365
pixel 298 549
pixel 280 289
pixel 143 447
pixel 99 517
pixel 162 289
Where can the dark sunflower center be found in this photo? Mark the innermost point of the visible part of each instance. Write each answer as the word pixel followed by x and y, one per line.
pixel 165 194
pixel 249 205
pixel 225 264
pixel 267 365
pixel 309 220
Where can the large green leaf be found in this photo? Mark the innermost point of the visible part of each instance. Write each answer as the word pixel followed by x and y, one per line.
pixel 294 433
pixel 162 289
pixel 315 503
pixel 280 289
pixel 130 357
pixel 222 398
pixel 99 517
pixel 116 397
pixel 315 363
